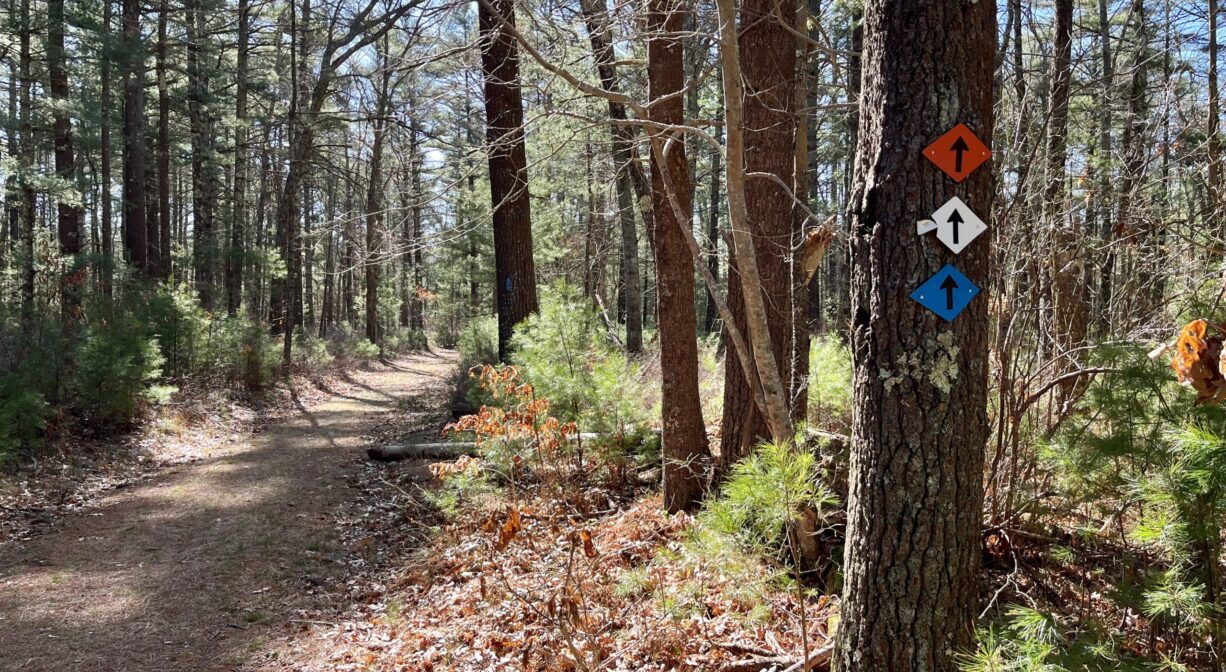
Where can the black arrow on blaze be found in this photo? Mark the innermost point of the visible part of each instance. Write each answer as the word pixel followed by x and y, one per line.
pixel 958 147
pixel 956 219
pixel 949 285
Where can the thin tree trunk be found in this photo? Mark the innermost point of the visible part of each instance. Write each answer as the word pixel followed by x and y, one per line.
pixel 234 259
pixel 597 21
pixel 1103 167
pixel 1067 270
pixel 684 433
pixel 920 384
pixel 715 198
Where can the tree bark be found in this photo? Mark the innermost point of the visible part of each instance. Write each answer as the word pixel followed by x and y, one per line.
pixel 374 203
pixel 25 171
pixel 134 232
pixel 684 433
pixel 1067 270
pixel 629 174
pixel 1214 113
pixel 920 420
pixel 238 220
pixel 714 200
pixel 515 272
pixel 204 168
pixel 107 271
pixel 69 215
pixel 767 48
pixel 163 148
pixel 1103 168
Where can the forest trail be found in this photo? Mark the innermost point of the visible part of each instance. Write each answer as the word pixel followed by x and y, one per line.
pixel 197 567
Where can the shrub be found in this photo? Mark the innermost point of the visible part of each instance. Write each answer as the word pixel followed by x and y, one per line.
pixel 764 494
pixel 115 362
pixel 563 351
pixel 478 343
pixel 23 417
pixel 312 352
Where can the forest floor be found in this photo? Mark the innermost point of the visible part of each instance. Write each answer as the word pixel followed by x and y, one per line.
pixel 220 562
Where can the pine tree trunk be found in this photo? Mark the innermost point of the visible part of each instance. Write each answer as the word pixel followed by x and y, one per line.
pixel 238 221
pixel 26 171
pixel 203 163
pixel 374 206
pixel 514 267
pixel 684 433
pixel 1102 314
pixel 768 62
pixel 134 232
pixel 713 207
pixel 69 215
pixel 1067 269
pixel 920 419
pixel 596 18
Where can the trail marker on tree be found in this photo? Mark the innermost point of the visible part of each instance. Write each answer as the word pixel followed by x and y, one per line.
pixel 959 152
pixel 956 225
pixel 947 293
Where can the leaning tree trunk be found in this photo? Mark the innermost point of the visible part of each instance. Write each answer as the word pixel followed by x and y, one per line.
pixel 515 272
pixel 768 62
pixel 684 435
pixel 914 507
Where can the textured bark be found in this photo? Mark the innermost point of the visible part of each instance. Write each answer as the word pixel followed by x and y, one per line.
pixel 1070 310
pixel 920 423
pixel 768 62
pixel 684 433
pixel 1134 224
pixel 515 271
pixel 374 204
pixel 596 18
pixel 204 168
pixel 1215 140
pixel 715 198
pixel 163 148
pixel 69 215
pixel 238 220
pixel 26 170
pixel 134 233
pixel 1103 167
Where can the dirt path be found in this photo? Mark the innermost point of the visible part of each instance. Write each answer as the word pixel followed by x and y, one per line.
pixel 196 568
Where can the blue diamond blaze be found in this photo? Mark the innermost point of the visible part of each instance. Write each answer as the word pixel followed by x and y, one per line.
pixel 947 293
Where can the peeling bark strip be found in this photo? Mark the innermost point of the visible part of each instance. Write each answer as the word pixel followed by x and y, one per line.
pixel 920 425
pixel 761 284
pixel 504 133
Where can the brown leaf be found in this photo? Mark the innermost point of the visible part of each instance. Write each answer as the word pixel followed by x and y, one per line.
pixel 1198 361
pixel 509 529
pixel 589 549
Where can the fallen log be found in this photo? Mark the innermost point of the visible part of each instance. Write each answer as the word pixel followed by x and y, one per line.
pixel 421 451
pixel 819 661
pixel 439 451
